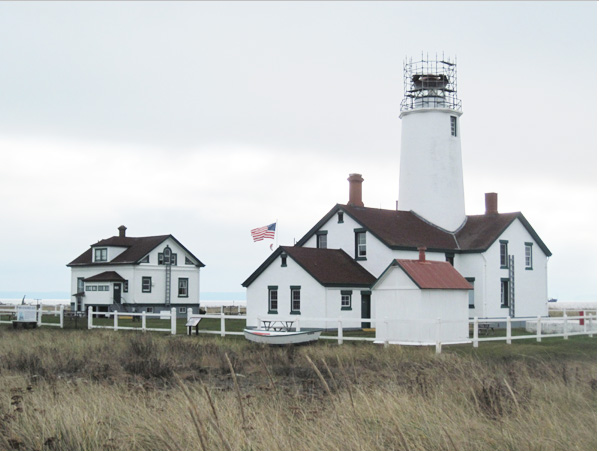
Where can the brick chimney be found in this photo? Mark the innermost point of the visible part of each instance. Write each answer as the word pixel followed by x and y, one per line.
pixel 355 190
pixel 122 230
pixel 491 204
pixel 422 254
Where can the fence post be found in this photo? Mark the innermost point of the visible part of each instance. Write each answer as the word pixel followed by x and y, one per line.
pixel 475 332
pixel 590 322
pixel 188 329
pixel 116 320
pixel 90 317
pixel 339 332
pixel 143 321
pixel 61 315
pixel 222 321
pixel 508 330
pixel 39 315
pixel 538 328
pixel 173 321
pixel 565 325
pixel 438 346
pixel 297 324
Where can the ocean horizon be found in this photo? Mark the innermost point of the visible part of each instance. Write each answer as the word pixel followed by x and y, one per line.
pixel 210 299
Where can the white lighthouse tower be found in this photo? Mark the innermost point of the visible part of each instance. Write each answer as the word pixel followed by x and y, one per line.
pixel 430 179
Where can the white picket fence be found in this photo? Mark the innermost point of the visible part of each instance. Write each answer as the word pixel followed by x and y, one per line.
pixel 562 325
pixel 144 316
pixel 9 312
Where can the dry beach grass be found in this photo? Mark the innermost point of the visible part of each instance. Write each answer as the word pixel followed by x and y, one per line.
pixel 101 390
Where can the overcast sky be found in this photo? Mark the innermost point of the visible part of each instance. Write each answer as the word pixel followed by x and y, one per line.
pixel 205 120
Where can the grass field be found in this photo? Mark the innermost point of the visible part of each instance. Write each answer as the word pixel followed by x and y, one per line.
pixel 103 390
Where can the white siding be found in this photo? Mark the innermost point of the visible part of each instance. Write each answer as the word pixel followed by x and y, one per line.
pixel 530 285
pixel 407 314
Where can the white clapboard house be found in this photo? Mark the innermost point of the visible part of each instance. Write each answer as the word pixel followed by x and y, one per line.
pixel 493 264
pixel 136 274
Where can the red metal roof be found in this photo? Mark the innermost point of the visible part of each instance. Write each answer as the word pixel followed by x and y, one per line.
pixel 433 274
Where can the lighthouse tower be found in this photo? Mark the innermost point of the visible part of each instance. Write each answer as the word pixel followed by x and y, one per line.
pixel 430 177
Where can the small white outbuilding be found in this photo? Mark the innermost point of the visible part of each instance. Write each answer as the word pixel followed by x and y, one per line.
pixel 421 302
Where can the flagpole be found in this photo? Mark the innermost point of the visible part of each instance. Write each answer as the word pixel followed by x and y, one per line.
pixel 277 234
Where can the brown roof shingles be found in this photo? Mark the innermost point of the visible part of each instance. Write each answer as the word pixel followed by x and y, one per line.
pixel 330 267
pixel 327 266
pixel 400 229
pixel 105 277
pixel 137 249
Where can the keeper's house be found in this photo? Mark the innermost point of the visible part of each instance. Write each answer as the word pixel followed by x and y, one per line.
pixel 136 274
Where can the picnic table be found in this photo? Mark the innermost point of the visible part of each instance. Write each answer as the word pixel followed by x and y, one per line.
pixel 485 328
pixel 278 325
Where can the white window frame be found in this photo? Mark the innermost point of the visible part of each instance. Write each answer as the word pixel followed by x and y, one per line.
pixel 100 254
pixel 185 288
pixel 147 279
pixel 528 256
pixel 296 308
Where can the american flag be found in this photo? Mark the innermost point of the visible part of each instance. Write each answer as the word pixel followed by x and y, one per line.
pixel 265 232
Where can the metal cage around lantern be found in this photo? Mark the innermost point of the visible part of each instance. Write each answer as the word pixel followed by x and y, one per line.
pixel 430 83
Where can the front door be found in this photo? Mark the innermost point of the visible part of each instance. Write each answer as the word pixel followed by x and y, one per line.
pixel 117 293
pixel 365 309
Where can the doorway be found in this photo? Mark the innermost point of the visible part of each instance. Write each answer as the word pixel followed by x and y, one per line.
pixel 117 293
pixel 365 312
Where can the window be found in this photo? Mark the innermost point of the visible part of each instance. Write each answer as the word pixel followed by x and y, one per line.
pixel 528 256
pixel 273 299
pixel 80 285
pixel 321 239
pixel 346 300
pixel 182 310
pixel 183 288
pixel 360 244
pixel 146 284
pixel 295 300
pixel 145 260
pixel 126 286
pixel 283 259
pixel 503 258
pixel 449 257
pixel 505 293
pixel 161 259
pixel 454 126
pixel 470 293
pixel 188 261
pixel 100 255
pixel 91 288
pixel 339 217
pixel 149 310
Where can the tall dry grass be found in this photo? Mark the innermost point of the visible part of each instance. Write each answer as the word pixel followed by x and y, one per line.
pixel 78 390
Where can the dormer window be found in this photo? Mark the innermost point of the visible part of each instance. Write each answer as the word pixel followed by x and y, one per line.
pixel 161 260
pixel 340 217
pixel 100 255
